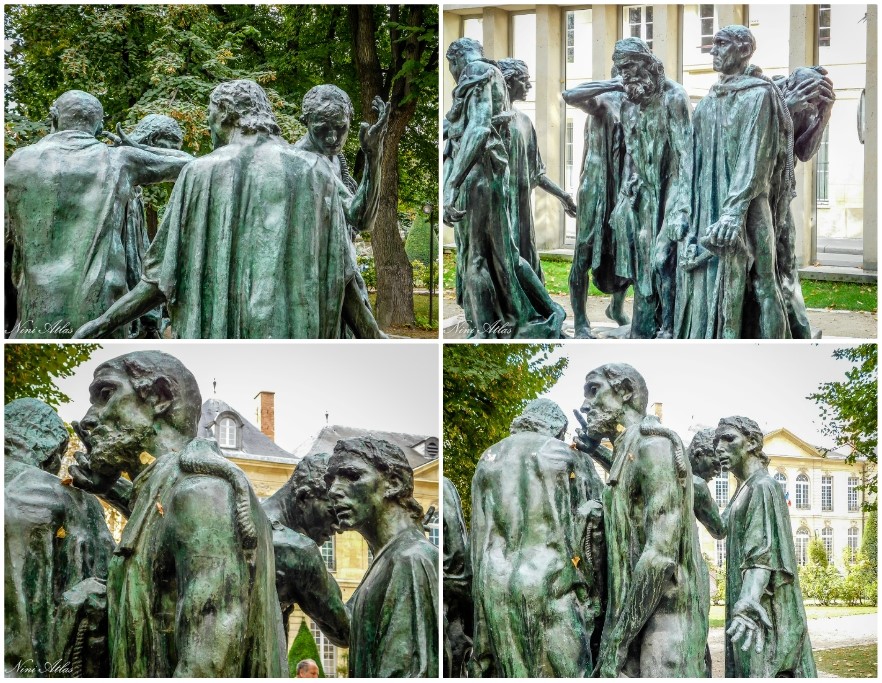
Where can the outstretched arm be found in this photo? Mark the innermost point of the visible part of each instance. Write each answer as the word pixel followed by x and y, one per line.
pixel 318 595
pixel 662 492
pixel 138 301
pixel 212 579
pixel 362 210
pixel 706 510
pixel 584 95
pixel 555 190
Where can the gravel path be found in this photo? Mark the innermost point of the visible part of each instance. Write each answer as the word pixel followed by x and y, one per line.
pixel 826 633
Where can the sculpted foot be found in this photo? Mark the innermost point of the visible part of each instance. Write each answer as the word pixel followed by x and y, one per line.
pixel 583 331
pixel 617 315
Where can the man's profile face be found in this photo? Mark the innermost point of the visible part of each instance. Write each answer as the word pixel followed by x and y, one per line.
pixel 117 425
pixel 603 406
pixel 317 516
pixel 220 134
pixel 726 53
pixel 328 131
pixel 732 448
pixel 166 140
pixel 309 671
pixel 357 490
pixel 520 87
pixel 702 461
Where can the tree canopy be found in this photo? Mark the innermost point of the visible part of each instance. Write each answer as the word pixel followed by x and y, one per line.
pixel 485 387
pixel 166 59
pixel 849 411
pixel 31 369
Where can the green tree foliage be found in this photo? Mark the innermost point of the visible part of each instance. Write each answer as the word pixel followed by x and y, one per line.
pixel 485 388
pixel 860 584
pixel 819 579
pixel 718 580
pixel 304 647
pixel 849 411
pixel 817 554
pixel 870 542
pixel 166 59
pixel 30 370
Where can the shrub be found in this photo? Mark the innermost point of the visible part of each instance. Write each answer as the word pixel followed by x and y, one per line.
pixel 304 647
pixel 820 582
pixel 417 243
pixel 368 269
pixel 421 274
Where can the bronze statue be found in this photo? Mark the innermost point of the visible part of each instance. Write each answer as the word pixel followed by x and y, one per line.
pixel 394 631
pixel 303 520
pixel 705 466
pixel 254 241
pixel 658 591
pixel 538 567
pixel 66 197
pixel 57 550
pixel 458 605
pixel 191 587
pixel 526 170
pixel 766 630
pixel 501 295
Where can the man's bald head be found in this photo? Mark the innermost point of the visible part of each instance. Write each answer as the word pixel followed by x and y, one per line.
pixel 77 110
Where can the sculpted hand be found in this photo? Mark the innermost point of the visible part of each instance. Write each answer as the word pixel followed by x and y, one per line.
pixel 85 478
pixel 91 330
pixel 725 233
pixel 569 206
pixel 749 623
pixel 818 90
pixel 678 227
pixel 451 213
pixel 371 136
pixel 583 440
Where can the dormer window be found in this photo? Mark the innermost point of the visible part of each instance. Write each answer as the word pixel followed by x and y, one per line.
pixel 226 433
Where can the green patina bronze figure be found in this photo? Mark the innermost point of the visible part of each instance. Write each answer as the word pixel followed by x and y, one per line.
pixel 537 552
pixel 303 520
pixel 458 605
pixel 743 184
pixel 327 114
pixel 652 209
pixel 154 130
pixel 254 242
pixel 501 295
pixel 766 630
pixel 705 466
pixel 599 184
pixel 526 170
pixel 56 553
pixel 66 199
pixel 656 622
pixel 395 615
pixel 191 586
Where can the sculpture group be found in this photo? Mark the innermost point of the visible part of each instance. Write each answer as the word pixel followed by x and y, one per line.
pixel 255 242
pixel 691 209
pixel 563 575
pixel 204 572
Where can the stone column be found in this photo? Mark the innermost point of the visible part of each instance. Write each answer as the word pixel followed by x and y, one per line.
pixel 605 23
pixel 871 144
pixel 452 31
pixel 803 52
pixel 727 15
pixel 497 43
pixel 666 36
pixel 548 216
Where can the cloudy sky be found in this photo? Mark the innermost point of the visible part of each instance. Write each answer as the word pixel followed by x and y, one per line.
pixel 700 383
pixel 383 386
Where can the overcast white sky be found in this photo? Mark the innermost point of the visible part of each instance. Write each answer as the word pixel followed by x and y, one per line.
pixel 383 386
pixel 700 383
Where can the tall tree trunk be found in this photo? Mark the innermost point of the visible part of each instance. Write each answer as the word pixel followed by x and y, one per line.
pixel 394 272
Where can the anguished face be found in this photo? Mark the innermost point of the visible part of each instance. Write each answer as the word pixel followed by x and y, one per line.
pixel 727 55
pixel 603 406
pixel 732 448
pixel 356 490
pixel 328 130
pixel 117 426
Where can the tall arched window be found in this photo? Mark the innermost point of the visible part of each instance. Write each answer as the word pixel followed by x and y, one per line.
pixel 827 540
pixel 853 483
pixel 802 491
pixel 827 493
pixel 802 539
pixel 226 433
pixel 721 489
pixel 852 543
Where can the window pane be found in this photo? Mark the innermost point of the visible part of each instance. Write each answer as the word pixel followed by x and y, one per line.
pixel 578 70
pixel 634 15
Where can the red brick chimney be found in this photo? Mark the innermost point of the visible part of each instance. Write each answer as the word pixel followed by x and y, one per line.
pixel 266 413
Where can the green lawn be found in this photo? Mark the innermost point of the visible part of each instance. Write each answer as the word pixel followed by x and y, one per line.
pixel 718 612
pixel 848 662
pixel 845 296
